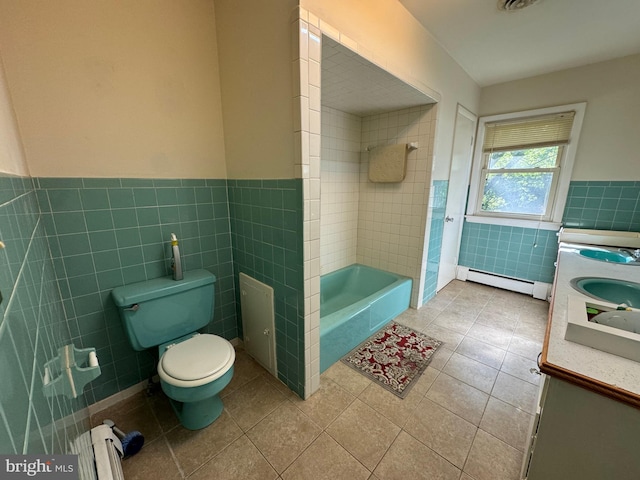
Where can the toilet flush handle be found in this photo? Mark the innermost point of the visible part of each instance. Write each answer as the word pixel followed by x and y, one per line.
pixel 132 308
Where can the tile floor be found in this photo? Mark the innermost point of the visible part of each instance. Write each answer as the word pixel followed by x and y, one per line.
pixel 466 418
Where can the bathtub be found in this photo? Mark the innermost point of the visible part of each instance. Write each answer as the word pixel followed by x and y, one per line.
pixel 356 301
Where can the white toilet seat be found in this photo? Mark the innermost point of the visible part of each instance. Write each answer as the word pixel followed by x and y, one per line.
pixel 197 361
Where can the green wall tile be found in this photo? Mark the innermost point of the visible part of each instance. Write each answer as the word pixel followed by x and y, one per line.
pixel 74 244
pixel 121 197
pixel 94 199
pixel 98 220
pixel 69 222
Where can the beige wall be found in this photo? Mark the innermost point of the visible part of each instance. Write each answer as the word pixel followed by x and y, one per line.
pixel 112 88
pixel 254 46
pixel 394 39
pixel 11 153
pixel 609 143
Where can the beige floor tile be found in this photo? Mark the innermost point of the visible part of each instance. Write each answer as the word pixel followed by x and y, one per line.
pixel 428 314
pixel 326 404
pixel 520 367
pixel 482 352
pixel 281 387
pixel 239 461
pixel 493 319
pixel 245 369
pixel 531 329
pixel 325 459
pixel 390 405
pixel 283 435
pixel 456 321
pixel 454 286
pixel 163 411
pixel 492 459
pixel 458 397
pixel 192 448
pixel 441 301
pixel 537 307
pixel 516 392
pixel 365 433
pixel 509 299
pixel 497 337
pixel 471 372
pixel 442 431
pixel 450 338
pixel 413 319
pixel 252 402
pixel 153 461
pixel 408 458
pixel 347 378
pixel 422 384
pixel 506 422
pixel 525 347
pixel 464 305
pixel 440 358
pixel 477 294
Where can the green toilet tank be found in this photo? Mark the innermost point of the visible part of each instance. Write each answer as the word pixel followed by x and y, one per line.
pixel 160 310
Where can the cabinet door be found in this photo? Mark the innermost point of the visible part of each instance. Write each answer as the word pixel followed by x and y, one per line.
pixel 583 435
pixel 533 429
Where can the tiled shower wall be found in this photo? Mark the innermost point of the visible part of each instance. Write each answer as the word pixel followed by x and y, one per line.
pixel 340 186
pixel 510 251
pixel 392 216
pixel 32 328
pixel 106 232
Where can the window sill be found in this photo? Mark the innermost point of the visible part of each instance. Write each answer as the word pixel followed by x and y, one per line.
pixel 514 222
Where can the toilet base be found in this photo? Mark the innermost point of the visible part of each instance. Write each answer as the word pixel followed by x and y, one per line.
pixel 197 415
pixel 197 407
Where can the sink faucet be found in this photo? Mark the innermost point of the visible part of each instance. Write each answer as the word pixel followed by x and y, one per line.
pixel 635 254
pixel 176 264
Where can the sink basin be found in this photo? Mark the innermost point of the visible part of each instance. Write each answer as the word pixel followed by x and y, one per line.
pixel 606 255
pixel 609 290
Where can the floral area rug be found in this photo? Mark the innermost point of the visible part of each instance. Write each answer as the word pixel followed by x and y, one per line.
pixel 395 357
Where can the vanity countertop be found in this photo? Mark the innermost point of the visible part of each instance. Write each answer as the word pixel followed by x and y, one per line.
pixel 605 373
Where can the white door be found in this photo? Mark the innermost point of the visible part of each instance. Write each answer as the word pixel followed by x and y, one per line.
pixel 461 155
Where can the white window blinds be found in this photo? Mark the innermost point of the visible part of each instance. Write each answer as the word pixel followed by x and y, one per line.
pixel 532 132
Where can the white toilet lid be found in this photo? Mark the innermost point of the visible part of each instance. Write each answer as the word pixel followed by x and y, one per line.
pixel 199 357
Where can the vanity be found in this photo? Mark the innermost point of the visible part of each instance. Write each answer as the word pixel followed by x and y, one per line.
pixel 587 423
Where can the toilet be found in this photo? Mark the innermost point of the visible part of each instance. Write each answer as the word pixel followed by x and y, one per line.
pixel 193 367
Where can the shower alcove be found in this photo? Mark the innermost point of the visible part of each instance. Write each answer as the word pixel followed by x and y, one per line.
pixel 381 225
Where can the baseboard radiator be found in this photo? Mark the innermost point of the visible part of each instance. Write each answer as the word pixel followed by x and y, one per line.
pixel 99 454
pixel 538 290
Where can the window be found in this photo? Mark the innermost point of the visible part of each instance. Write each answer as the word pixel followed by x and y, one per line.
pixel 523 166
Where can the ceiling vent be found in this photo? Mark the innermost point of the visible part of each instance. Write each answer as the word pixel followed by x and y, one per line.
pixel 515 5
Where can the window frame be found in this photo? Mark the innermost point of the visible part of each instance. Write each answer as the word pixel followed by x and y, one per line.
pixel 552 219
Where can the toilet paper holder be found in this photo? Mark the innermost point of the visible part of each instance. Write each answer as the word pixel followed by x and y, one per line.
pixel 69 372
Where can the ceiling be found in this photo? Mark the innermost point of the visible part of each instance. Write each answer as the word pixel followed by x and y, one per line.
pixel 495 46
pixel 354 85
